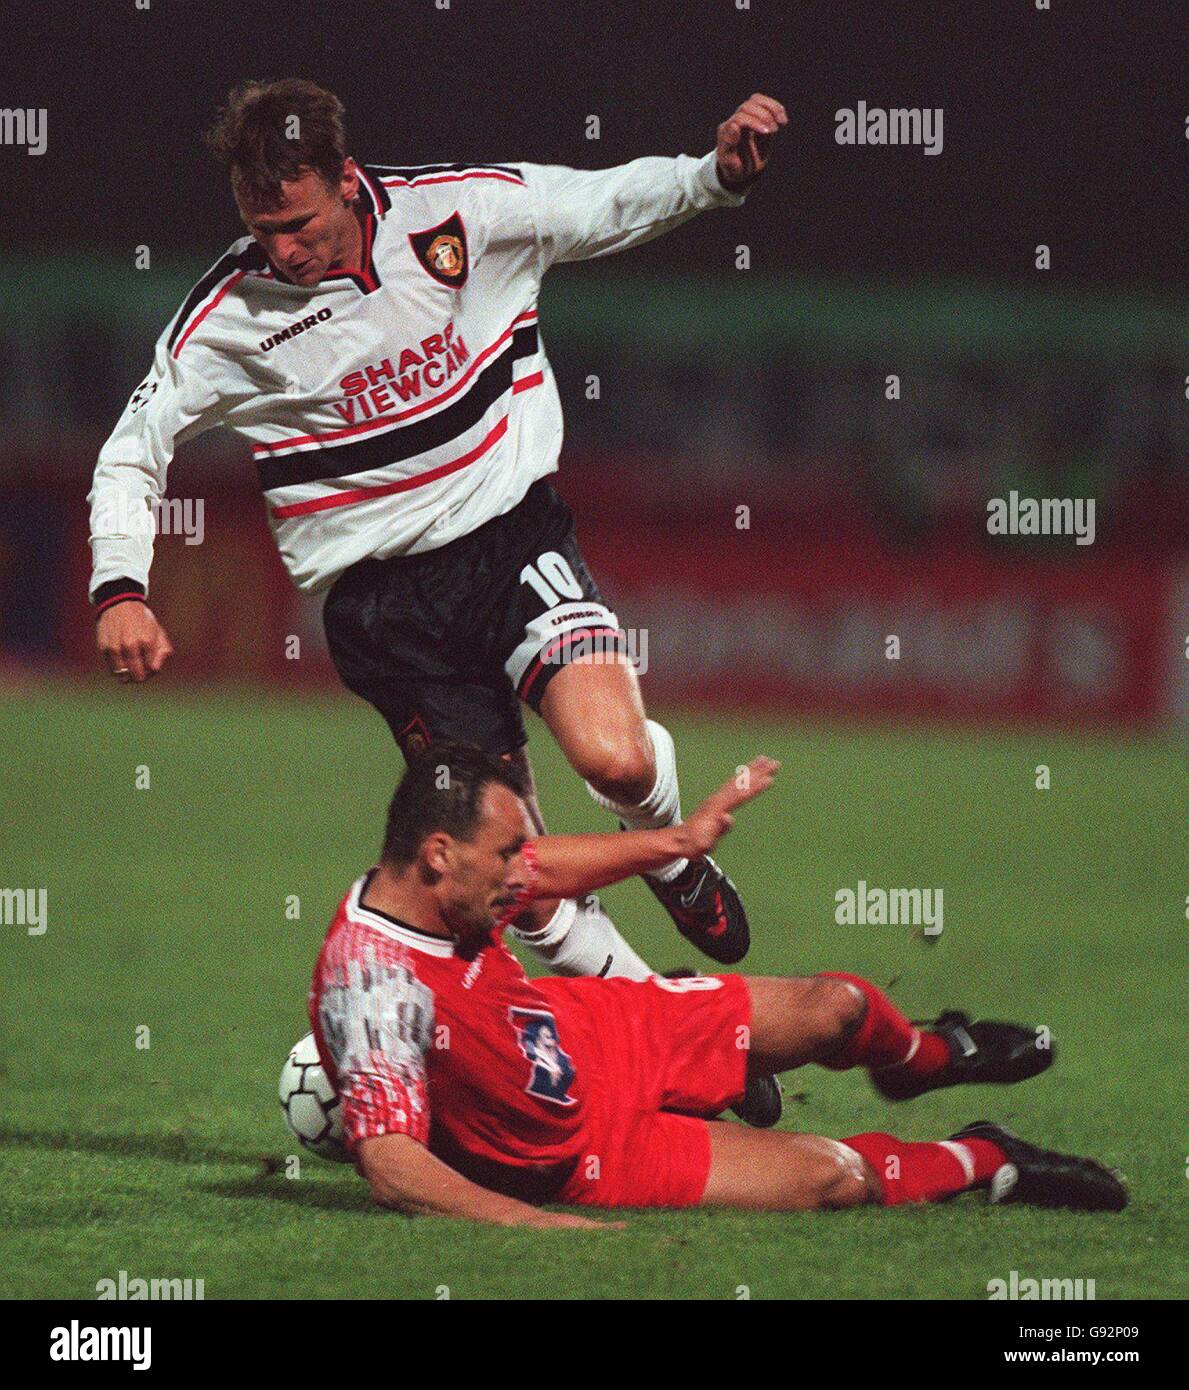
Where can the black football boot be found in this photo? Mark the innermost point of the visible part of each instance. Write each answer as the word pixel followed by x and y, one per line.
pixel 1042 1178
pixel 706 909
pixel 763 1102
pixel 982 1052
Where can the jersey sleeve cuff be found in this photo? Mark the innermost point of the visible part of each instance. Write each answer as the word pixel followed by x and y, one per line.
pixel 117 591
pixel 711 184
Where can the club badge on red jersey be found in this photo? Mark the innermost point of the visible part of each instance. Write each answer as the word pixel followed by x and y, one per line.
pixel 552 1069
pixel 442 250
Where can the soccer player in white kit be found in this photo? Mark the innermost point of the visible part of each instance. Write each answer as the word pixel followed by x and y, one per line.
pixel 375 340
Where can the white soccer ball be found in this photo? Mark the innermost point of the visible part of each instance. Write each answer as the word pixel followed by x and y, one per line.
pixel 311 1104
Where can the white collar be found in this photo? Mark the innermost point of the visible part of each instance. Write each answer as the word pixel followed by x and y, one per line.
pixel 390 927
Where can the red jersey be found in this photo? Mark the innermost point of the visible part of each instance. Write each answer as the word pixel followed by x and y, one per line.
pixel 581 1090
pixel 410 1029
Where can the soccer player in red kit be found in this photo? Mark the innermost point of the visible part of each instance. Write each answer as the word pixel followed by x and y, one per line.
pixel 469 1090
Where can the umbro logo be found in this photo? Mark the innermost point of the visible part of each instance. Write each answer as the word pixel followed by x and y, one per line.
pixel 310 321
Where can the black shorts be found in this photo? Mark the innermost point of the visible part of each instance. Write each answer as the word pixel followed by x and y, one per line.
pixel 445 643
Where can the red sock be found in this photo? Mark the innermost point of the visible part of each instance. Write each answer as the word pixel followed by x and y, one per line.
pixel 927 1172
pixel 886 1038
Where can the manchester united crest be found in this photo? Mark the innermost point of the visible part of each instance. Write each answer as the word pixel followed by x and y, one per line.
pixel 442 250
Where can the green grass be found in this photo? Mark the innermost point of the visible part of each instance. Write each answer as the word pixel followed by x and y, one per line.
pixel 167 909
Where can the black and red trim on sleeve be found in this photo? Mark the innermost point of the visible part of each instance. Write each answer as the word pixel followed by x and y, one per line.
pixel 117 591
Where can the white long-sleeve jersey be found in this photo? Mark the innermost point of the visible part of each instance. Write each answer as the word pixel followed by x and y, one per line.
pixel 393 410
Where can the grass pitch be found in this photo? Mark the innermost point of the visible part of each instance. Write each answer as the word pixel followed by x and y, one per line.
pixel 167 910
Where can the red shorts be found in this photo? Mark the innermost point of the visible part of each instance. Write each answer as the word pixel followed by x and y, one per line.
pixel 648 1049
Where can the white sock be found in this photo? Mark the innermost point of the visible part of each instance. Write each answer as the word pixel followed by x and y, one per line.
pixel 662 805
pixel 580 939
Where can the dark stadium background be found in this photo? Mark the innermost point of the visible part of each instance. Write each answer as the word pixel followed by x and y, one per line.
pixel 718 387
pixel 172 904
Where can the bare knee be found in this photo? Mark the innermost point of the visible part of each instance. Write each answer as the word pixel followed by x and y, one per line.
pixel 832 1011
pixel 847 1179
pixel 772 1170
pixel 828 1176
pixel 801 1019
pixel 844 1007
pixel 622 769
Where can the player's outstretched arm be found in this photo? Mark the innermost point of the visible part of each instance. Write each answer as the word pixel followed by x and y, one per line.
pixel 579 214
pixel 404 1174
pixel 570 865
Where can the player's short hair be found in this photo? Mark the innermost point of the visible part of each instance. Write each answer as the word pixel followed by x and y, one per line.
pixel 442 789
pixel 269 133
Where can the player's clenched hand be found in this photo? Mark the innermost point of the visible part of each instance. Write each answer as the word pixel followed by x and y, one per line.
pixel 132 642
pixel 745 140
pixel 714 817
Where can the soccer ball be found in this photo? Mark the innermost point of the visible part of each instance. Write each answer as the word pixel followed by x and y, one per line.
pixel 311 1104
